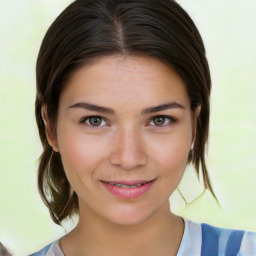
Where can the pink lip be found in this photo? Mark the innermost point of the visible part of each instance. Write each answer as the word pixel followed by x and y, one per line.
pixel 128 193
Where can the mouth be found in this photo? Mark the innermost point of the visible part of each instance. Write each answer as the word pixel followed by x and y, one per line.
pixel 128 189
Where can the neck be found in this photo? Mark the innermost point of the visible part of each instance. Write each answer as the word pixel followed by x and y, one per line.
pixel 159 235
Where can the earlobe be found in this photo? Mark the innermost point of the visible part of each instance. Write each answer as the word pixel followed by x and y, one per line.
pixel 51 137
pixel 197 111
pixel 196 114
pixel 192 145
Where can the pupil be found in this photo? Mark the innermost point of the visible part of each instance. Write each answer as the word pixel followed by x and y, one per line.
pixel 159 120
pixel 95 121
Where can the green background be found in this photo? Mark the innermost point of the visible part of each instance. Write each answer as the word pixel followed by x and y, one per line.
pixel 228 30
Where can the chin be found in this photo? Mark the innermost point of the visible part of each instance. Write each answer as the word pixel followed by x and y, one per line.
pixel 130 217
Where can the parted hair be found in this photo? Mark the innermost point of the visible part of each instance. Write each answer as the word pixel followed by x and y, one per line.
pixel 88 29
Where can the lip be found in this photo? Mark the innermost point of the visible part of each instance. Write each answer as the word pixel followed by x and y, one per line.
pixel 128 193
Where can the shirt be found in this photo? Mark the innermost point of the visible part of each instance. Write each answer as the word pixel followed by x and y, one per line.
pixel 198 239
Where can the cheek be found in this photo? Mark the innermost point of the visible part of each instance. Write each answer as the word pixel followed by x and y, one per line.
pixel 80 154
pixel 172 153
pixel 176 151
pixel 172 161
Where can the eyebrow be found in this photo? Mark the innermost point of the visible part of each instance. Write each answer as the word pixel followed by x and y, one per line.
pixel 106 110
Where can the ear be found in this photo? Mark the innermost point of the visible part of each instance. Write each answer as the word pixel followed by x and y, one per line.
pixel 50 135
pixel 194 123
pixel 197 112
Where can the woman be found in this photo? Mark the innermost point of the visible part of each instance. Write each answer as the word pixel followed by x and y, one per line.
pixel 122 107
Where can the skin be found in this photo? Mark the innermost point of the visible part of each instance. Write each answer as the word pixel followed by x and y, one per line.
pixel 127 145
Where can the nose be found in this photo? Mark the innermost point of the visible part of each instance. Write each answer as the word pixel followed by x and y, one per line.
pixel 128 151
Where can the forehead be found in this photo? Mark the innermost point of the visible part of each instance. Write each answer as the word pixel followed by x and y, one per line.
pixel 117 79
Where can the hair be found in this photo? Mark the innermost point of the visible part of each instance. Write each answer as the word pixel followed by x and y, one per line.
pixel 88 29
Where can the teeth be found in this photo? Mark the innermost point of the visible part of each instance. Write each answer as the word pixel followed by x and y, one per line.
pixel 126 186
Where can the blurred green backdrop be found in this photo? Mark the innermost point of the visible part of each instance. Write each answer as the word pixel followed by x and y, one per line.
pixel 228 30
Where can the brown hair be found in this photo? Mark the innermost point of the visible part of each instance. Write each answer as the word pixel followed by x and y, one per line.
pixel 87 29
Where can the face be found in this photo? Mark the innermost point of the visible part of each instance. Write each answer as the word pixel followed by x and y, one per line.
pixel 124 132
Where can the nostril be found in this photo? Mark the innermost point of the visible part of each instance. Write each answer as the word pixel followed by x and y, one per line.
pixel 128 162
pixel 127 150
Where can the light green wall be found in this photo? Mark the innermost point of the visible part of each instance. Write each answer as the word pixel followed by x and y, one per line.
pixel 228 30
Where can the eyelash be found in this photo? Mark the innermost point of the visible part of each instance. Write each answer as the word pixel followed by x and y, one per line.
pixel 170 120
pixel 83 121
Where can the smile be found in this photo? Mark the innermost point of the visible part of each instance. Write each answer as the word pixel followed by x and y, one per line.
pixel 127 186
pixel 127 189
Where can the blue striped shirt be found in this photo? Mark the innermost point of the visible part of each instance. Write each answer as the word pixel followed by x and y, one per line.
pixel 198 239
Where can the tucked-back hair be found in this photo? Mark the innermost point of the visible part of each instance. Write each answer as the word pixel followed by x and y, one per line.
pixel 88 29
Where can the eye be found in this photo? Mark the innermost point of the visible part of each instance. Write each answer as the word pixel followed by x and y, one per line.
pixel 94 121
pixel 161 120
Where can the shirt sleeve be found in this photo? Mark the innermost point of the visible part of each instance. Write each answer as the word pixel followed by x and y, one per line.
pixel 41 252
pixel 248 245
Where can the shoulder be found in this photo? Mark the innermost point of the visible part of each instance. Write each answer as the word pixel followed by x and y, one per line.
pixel 52 249
pixel 224 241
pixel 204 239
pixel 43 251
